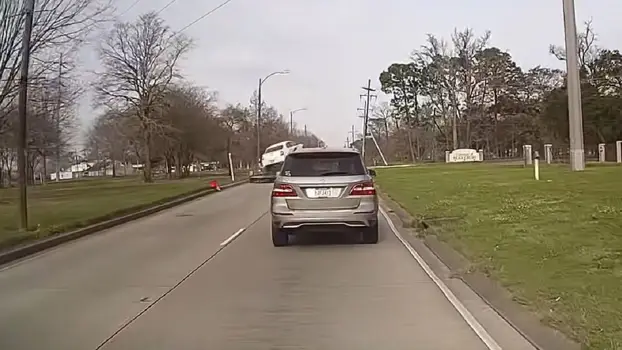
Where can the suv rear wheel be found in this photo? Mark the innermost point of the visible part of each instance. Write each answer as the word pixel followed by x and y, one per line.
pixel 370 234
pixel 280 237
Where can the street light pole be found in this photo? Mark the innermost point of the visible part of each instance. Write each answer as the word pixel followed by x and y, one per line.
pixel 575 114
pixel 291 119
pixel 261 81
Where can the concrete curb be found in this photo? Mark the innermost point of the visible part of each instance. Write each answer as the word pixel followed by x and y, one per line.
pixel 23 251
pixel 498 298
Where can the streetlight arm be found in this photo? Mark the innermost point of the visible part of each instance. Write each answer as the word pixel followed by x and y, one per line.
pixel 291 119
pixel 271 74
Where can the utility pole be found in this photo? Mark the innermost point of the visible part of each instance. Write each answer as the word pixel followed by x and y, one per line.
pixel 305 130
pixel 362 116
pixel 575 114
pixel 454 130
pixel 366 116
pixel 371 134
pixel 259 121
pixel 58 107
pixel 353 133
pixel 362 110
pixel 29 8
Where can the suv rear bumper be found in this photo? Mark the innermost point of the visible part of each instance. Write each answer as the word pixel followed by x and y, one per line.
pixel 324 219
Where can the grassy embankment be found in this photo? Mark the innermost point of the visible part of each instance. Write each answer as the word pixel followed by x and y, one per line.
pixel 61 207
pixel 556 244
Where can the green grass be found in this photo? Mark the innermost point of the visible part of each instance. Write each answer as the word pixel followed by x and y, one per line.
pixel 60 207
pixel 556 244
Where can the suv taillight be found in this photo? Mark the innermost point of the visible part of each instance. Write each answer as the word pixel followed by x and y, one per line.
pixel 363 189
pixel 284 191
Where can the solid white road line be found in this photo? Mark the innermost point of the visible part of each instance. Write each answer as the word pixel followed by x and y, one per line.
pixel 462 310
pixel 232 237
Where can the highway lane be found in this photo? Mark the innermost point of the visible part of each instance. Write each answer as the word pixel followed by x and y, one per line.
pixel 250 295
pixel 255 296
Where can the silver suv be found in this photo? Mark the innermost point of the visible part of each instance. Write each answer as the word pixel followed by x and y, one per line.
pixel 324 189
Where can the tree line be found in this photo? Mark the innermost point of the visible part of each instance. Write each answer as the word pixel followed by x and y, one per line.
pixel 148 113
pixel 59 28
pixel 465 93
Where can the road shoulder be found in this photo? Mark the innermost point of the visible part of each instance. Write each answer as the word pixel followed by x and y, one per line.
pixel 444 260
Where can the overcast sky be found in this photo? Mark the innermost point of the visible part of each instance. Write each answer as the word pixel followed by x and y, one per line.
pixel 333 46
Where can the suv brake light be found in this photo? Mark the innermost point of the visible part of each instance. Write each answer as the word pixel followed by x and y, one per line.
pixel 363 189
pixel 284 191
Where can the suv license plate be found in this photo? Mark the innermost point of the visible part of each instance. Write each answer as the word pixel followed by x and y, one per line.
pixel 323 192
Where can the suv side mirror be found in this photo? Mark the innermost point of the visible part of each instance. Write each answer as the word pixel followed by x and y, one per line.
pixel 371 172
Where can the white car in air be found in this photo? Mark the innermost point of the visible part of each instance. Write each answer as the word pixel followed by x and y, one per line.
pixel 275 154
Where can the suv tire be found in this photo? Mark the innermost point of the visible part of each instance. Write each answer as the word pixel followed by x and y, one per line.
pixel 280 237
pixel 370 234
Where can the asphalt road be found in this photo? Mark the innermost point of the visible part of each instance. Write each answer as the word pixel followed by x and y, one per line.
pixel 165 282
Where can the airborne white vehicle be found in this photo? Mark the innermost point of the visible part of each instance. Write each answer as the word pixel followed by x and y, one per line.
pixel 274 156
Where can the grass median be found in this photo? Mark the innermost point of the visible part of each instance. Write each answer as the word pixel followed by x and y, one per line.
pixel 61 207
pixel 556 244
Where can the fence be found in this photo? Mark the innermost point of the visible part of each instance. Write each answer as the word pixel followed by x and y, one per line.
pixel 601 153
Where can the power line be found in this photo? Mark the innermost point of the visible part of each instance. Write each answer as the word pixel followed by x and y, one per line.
pixel 22 13
pixel 223 4
pixel 129 8
pixel 166 6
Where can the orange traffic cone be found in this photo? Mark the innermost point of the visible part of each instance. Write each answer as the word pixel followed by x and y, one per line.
pixel 214 184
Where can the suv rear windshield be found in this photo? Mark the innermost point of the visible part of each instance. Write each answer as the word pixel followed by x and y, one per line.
pixel 323 164
pixel 274 148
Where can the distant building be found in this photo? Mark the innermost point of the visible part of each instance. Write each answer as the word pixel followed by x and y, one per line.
pixel 75 171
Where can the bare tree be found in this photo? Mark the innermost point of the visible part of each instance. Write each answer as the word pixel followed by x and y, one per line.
pixel 107 142
pixel 588 51
pixel 192 132
pixel 57 97
pixel 58 26
pixel 233 120
pixel 139 65
pixel 7 150
pixel 381 118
